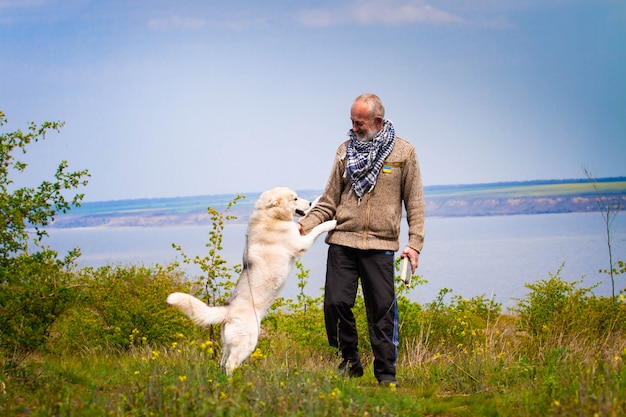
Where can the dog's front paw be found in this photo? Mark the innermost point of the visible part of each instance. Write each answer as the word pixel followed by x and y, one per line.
pixel 329 225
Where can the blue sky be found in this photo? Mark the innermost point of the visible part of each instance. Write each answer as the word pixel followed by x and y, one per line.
pixel 189 97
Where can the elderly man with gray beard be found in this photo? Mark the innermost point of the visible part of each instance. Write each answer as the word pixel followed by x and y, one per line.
pixel 374 173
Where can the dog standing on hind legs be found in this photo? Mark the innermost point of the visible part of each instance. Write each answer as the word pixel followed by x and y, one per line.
pixel 273 242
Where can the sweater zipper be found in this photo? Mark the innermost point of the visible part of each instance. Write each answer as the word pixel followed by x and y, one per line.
pixel 367 219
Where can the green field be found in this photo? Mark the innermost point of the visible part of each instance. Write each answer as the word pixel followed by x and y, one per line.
pixel 561 352
pixel 514 190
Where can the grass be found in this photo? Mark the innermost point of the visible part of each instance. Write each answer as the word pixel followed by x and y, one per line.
pixel 496 370
pixel 183 382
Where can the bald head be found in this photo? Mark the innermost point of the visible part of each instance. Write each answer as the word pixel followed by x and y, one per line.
pixel 367 114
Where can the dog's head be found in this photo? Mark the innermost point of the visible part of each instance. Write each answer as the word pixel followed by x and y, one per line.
pixel 283 202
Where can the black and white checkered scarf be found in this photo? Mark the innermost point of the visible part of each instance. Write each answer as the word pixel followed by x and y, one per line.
pixel 365 159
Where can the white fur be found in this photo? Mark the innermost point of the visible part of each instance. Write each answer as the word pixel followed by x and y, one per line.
pixel 273 244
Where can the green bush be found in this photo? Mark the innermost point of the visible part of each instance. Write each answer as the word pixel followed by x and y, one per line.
pixel 300 319
pixel 555 310
pixel 36 290
pixel 460 324
pixel 123 306
pixel 36 286
pixel 22 208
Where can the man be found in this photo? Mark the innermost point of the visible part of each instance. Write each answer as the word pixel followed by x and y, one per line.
pixel 373 174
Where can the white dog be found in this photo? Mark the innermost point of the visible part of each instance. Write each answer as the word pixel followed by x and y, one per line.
pixel 273 244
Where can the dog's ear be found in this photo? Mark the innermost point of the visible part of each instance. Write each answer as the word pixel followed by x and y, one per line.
pixel 266 200
pixel 272 202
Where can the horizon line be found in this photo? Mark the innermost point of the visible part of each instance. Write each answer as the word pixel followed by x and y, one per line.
pixel 497 183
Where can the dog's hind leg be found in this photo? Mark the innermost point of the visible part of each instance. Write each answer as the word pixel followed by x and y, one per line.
pixel 225 352
pixel 236 356
pixel 238 344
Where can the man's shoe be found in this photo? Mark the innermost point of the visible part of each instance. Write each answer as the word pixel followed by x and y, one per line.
pixel 351 367
pixel 389 382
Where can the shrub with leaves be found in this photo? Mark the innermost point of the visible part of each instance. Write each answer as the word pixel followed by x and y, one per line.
pixel 121 307
pixel 552 305
pixel 302 320
pixel 557 313
pixel 36 289
pixel 217 283
pixel 460 324
pixel 36 207
pixel 35 286
pixel 217 280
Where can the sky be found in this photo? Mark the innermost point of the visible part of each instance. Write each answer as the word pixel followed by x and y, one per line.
pixel 196 97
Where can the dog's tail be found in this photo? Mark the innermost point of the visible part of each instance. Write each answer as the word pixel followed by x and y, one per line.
pixel 197 310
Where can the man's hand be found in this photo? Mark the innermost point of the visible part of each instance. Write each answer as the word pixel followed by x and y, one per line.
pixel 300 229
pixel 414 257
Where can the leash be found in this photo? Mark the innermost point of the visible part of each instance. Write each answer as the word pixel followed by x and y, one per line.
pixel 248 268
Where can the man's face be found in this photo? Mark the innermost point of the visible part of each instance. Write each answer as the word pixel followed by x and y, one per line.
pixel 364 124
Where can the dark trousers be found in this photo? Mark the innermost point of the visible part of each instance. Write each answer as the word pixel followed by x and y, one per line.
pixel 375 268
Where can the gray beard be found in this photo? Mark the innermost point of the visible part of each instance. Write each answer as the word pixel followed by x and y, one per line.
pixel 368 137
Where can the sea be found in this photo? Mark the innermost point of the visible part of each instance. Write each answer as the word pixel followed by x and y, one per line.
pixel 490 256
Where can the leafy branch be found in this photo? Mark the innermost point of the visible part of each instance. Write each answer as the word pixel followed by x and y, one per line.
pixel 217 275
pixel 34 207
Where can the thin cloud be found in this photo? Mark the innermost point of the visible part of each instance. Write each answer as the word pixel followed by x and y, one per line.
pixel 389 13
pixel 377 12
pixel 177 23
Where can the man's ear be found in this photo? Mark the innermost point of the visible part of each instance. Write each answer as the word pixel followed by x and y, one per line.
pixel 378 123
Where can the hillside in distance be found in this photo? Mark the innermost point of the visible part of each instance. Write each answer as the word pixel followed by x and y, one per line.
pixel 510 198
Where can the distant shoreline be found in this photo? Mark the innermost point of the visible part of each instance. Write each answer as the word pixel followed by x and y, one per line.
pixel 506 198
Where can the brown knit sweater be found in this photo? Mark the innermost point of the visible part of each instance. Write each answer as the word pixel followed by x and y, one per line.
pixel 374 223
